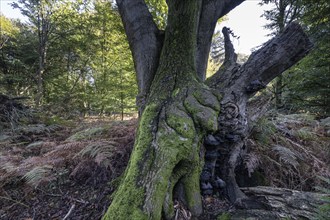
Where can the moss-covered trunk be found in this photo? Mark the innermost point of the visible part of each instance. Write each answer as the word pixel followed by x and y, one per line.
pixel 179 109
pixel 167 156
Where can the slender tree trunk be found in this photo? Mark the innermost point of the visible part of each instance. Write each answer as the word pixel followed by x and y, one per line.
pixel 279 80
pixel 43 29
pixel 121 96
pixel 278 92
pixel 40 73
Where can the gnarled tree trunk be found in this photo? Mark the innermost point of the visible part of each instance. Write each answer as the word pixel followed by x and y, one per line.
pixel 179 109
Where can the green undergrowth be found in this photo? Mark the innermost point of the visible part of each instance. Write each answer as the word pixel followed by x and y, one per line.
pixel 290 151
pixel 57 120
pixel 224 216
pixel 323 211
pixel 89 133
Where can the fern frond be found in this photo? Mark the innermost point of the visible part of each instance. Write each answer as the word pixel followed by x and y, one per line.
pixel 9 164
pixel 325 179
pixel 252 162
pixel 295 118
pixel 323 211
pixel 36 129
pixel 66 150
pixel 5 138
pixel 305 134
pixel 38 174
pixel 87 134
pixel 264 130
pixel 101 152
pixel 9 167
pixel 286 155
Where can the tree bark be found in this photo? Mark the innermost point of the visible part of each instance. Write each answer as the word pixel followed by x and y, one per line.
pixel 278 92
pixel 166 155
pixel 277 203
pixel 237 84
pixel 180 110
pixel 43 25
pixel 145 41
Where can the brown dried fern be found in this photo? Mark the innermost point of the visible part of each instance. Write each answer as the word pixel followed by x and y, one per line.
pixel 252 162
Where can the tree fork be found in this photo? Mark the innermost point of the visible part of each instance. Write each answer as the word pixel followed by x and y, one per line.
pixel 180 109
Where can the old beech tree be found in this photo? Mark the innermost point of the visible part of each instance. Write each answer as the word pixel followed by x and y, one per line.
pixel 180 110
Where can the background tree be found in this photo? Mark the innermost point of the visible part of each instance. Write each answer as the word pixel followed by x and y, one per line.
pixel 87 58
pixel 8 30
pixel 158 9
pixel 179 109
pixel 16 65
pixel 308 87
pixel 38 12
pixel 303 87
pixel 114 78
pixel 283 13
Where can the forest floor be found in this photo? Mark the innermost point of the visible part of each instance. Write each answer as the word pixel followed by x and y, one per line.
pixel 68 170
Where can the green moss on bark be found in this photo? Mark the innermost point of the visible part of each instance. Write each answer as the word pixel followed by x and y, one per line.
pixel 205 117
pixel 122 209
pixel 130 196
pixel 170 131
pixel 192 188
pixel 206 98
pixel 180 122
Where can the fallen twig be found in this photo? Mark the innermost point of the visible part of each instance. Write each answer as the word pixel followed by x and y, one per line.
pixel 69 212
pixel 13 200
pixel 77 200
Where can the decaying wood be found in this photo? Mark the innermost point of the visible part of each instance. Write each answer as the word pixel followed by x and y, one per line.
pixel 257 108
pixel 265 64
pixel 277 203
pixel 238 83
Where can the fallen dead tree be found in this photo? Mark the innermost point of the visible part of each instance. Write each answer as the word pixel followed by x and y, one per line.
pixel 277 203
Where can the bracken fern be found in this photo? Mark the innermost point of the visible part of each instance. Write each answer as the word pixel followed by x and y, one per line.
pixel 323 211
pixel 38 174
pixel 101 152
pixel 286 155
pixel 252 162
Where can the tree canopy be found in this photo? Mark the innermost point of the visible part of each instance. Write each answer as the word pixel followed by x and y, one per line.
pixel 83 53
